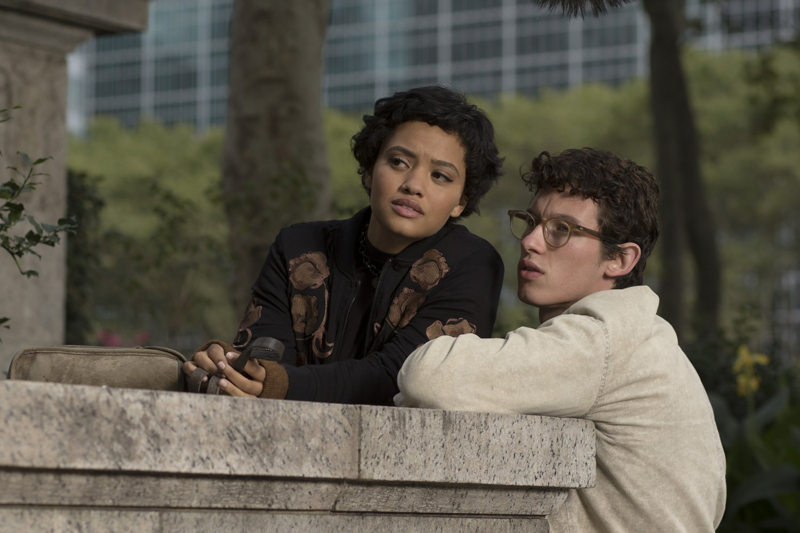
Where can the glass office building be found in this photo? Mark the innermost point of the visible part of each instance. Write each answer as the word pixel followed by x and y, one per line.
pixel 177 70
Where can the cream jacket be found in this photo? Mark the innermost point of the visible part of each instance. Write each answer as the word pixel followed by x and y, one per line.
pixel 609 359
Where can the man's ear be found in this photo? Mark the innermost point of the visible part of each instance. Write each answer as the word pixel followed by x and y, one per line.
pixel 368 180
pixel 459 208
pixel 624 261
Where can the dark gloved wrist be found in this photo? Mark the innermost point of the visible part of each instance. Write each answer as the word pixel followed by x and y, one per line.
pixel 276 383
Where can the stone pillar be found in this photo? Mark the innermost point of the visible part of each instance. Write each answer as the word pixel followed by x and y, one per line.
pixel 35 37
pixel 103 459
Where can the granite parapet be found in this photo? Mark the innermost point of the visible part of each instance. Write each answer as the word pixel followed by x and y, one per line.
pixel 302 466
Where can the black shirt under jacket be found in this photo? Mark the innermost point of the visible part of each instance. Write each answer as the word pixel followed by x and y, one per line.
pixel 446 284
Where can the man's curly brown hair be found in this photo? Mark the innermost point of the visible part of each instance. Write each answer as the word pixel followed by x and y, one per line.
pixel 626 195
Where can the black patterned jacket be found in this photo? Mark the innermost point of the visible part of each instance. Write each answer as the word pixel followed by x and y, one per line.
pixel 446 284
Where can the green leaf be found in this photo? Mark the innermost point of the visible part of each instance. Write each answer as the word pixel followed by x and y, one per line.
pixel 51 240
pixel 66 223
pixel 34 224
pixel 727 425
pixel 41 160
pixel 15 211
pixel 26 159
pixel 33 238
pixel 11 185
pixel 30 274
pixel 770 410
pixel 794 433
pixel 783 479
pixel 29 251
pixel 17 172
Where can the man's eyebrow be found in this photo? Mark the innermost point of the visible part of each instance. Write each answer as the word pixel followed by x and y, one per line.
pixel 560 216
pixel 405 151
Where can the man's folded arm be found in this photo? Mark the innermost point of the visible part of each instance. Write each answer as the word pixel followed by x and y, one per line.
pixel 557 370
pixel 466 299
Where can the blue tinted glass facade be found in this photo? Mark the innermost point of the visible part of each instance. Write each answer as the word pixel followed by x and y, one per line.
pixel 177 70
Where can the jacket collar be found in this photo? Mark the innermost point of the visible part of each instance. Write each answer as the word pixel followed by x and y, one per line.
pixel 347 243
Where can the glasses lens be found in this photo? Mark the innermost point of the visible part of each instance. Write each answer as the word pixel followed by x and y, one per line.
pixel 521 225
pixel 557 232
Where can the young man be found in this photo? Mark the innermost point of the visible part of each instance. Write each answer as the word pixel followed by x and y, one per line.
pixel 601 353
pixel 351 299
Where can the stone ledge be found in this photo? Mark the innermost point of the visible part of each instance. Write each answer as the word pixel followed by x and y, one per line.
pixel 69 427
pixel 109 489
pixel 100 16
pixel 426 445
pixel 100 521
pixel 70 446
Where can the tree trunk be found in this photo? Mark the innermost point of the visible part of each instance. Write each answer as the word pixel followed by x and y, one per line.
pixel 685 215
pixel 275 169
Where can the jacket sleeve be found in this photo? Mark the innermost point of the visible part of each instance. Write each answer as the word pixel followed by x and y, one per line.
pixel 269 313
pixel 556 370
pixel 464 300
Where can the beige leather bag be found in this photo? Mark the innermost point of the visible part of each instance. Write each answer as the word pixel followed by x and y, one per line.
pixel 149 367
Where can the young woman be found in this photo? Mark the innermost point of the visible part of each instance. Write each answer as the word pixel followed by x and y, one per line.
pixel 351 299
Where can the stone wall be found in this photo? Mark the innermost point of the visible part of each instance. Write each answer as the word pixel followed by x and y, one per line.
pixel 35 36
pixel 100 459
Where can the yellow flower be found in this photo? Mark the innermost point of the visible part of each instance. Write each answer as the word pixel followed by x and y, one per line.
pixel 761 359
pixel 747 385
pixel 745 369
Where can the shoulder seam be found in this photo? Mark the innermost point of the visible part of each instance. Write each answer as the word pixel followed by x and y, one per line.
pixel 605 361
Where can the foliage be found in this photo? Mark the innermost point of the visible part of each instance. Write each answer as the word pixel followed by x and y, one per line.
pixel 161 269
pixel 16 241
pixel 776 76
pixel 162 234
pixel 758 424
pixel 348 194
pixel 763 465
pixel 745 368
pixel 753 180
pixel 753 176
pixel 84 204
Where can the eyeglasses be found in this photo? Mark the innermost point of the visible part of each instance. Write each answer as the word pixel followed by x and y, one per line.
pixel 556 231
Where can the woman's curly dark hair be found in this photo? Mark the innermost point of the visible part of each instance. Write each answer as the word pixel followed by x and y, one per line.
pixel 626 195
pixel 447 109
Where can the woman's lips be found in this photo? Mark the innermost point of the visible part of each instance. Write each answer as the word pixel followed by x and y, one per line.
pixel 407 208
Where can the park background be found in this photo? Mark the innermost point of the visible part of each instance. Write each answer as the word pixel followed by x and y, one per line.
pixel 173 214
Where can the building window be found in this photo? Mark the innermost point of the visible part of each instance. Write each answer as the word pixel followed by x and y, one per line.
pixel 481 40
pixel 472 5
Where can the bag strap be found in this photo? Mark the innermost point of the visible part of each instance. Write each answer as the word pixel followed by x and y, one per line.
pixel 176 353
